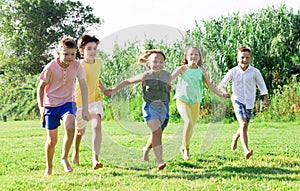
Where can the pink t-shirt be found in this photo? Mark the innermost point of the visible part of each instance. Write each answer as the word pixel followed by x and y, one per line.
pixel 60 83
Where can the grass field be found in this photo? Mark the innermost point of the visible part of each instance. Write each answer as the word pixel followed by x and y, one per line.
pixel 275 164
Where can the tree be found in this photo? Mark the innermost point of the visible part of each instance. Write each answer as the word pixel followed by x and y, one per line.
pixel 30 29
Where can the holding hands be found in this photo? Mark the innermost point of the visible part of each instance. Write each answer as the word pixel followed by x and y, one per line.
pixel 109 92
pixel 225 95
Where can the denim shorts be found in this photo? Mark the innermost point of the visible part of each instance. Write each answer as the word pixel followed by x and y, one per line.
pixel 53 115
pixel 241 111
pixel 156 110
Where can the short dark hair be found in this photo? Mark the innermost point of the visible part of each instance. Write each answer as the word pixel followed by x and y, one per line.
pixel 67 42
pixel 84 39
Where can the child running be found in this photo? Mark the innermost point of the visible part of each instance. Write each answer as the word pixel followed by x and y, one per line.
pixel 244 78
pixel 87 46
pixel 191 75
pixel 156 95
pixel 55 95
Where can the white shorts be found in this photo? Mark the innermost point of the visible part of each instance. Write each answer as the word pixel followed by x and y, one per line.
pixel 94 108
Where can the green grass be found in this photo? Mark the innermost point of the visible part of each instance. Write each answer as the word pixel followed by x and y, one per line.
pixel 275 164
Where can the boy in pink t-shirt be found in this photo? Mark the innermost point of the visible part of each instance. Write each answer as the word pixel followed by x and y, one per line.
pixel 55 94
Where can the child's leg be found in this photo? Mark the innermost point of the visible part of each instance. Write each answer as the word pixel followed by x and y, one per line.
pixel 77 139
pixel 79 132
pixel 189 114
pixel 50 149
pixel 69 125
pixel 243 115
pixel 147 148
pixel 235 138
pixel 156 130
pixel 244 137
pixel 243 133
pixel 97 139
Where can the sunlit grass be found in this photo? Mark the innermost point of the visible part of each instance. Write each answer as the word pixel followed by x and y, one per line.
pixel 275 164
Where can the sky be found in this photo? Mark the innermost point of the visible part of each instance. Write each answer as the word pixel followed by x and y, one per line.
pixel 176 14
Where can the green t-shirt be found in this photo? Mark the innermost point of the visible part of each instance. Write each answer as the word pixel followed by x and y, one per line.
pixel 189 86
pixel 156 87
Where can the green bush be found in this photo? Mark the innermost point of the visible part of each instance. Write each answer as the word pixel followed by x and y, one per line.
pixel 284 103
pixel 272 33
pixel 18 97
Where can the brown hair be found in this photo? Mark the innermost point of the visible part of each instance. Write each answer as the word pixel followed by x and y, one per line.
pixel 67 42
pixel 84 39
pixel 184 60
pixel 245 49
pixel 144 57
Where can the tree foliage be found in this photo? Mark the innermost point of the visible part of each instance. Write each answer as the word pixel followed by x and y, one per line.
pixel 30 29
pixel 272 33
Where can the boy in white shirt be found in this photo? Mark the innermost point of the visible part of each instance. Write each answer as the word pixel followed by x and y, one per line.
pixel 244 78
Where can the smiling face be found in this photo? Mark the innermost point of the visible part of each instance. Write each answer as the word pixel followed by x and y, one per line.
pixel 89 52
pixel 156 62
pixel 66 56
pixel 244 59
pixel 192 57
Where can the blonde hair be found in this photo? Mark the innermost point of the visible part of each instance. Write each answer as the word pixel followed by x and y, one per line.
pixel 67 42
pixel 184 60
pixel 144 57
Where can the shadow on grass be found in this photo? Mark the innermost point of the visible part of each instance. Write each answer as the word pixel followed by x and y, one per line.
pixel 263 173
pixel 259 170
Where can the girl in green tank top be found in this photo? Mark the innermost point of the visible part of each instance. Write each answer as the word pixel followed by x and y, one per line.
pixel 191 76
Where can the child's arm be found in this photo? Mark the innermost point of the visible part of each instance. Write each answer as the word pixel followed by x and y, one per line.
pixel 211 86
pixel 262 87
pixel 103 89
pixel 177 72
pixel 101 86
pixel 84 94
pixel 40 98
pixel 266 100
pixel 127 82
pixel 222 85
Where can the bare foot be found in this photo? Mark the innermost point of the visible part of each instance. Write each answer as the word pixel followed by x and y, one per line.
pixel 48 172
pixel 248 154
pixel 97 165
pixel 185 154
pixel 66 165
pixel 161 166
pixel 145 155
pixel 234 142
pixel 75 158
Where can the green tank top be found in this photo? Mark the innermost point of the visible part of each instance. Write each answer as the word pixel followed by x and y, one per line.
pixel 189 86
pixel 156 87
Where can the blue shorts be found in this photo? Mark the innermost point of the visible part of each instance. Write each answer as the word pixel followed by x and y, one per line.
pixel 53 115
pixel 156 110
pixel 241 111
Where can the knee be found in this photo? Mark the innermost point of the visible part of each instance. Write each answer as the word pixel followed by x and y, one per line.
pixel 51 142
pixel 70 129
pixel 157 132
pixel 80 132
pixel 69 123
pixel 190 124
pixel 244 125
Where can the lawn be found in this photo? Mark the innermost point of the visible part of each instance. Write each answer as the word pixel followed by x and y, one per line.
pixel 275 164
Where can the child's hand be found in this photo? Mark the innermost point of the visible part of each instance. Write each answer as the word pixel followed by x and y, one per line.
pixel 226 95
pixel 266 103
pixel 85 114
pixel 42 111
pixel 109 92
